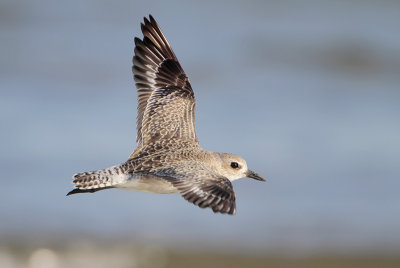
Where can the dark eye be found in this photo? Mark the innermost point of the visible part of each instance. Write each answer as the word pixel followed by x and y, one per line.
pixel 234 165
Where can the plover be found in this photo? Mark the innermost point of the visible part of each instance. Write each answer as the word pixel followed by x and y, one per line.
pixel 168 158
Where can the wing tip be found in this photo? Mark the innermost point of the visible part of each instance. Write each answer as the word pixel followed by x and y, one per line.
pixel 152 18
pixel 230 209
pixel 137 40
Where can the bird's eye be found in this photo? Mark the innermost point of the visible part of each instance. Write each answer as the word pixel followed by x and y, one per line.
pixel 234 165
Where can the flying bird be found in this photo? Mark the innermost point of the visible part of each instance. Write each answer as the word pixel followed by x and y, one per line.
pixel 168 158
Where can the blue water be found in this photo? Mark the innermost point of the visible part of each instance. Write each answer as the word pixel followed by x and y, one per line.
pixel 308 93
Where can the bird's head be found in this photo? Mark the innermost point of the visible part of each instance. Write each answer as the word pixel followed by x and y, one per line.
pixel 234 167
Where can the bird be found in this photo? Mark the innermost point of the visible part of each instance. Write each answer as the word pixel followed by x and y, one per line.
pixel 168 158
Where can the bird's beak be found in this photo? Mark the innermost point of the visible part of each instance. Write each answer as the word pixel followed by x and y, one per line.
pixel 253 175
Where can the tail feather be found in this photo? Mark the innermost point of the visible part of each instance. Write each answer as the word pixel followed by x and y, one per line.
pixel 93 181
pixel 80 191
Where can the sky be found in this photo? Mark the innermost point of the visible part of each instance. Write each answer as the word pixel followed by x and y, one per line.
pixel 307 92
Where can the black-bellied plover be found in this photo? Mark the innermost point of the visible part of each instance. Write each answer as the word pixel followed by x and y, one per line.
pixel 168 158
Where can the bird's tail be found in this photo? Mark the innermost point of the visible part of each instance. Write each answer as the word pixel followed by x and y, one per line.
pixel 93 181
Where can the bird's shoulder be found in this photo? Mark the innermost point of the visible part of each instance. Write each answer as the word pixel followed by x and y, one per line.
pixel 163 154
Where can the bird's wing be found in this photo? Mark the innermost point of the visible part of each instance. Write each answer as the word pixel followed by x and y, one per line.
pixel 202 187
pixel 166 103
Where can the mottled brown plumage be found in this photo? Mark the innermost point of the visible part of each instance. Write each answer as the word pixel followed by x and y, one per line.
pixel 168 158
pixel 166 103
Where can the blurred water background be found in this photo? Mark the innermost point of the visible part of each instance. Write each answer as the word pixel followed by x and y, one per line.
pixel 308 92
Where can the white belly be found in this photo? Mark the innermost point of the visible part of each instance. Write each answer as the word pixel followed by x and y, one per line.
pixel 148 184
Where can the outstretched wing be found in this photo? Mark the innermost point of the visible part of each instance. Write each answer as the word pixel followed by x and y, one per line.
pixel 202 187
pixel 166 103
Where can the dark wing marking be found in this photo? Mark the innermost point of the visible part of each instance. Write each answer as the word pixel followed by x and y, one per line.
pixel 166 103
pixel 202 187
pixel 217 194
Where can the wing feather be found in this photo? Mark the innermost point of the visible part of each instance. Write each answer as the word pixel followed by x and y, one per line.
pixel 163 88
pixel 202 186
pixel 216 193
